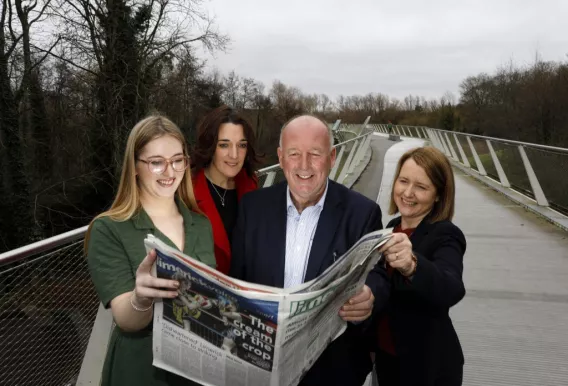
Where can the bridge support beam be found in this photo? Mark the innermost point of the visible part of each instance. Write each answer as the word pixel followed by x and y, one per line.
pixel 347 164
pixel 500 172
pixel 535 185
pixel 465 161
pixel 452 151
pixel 269 179
pixel 92 367
pixel 478 163
pixel 333 173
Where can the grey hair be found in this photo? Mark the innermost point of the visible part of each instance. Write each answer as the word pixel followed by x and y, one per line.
pixel 329 131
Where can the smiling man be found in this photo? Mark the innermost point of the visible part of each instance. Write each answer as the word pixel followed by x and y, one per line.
pixel 292 232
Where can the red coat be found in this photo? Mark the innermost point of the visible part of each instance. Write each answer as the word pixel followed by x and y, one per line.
pixel 244 184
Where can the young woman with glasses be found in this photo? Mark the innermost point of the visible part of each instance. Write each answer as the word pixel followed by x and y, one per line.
pixel 224 161
pixel 155 195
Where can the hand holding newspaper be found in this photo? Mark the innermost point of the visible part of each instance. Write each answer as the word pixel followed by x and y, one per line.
pixel 223 331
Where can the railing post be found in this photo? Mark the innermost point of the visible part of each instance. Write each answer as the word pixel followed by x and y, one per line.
pixel 442 142
pixel 332 174
pixel 92 365
pixel 535 185
pixel 364 126
pixel 454 154
pixel 424 131
pixel 361 152
pixel 498 167
pixel 465 161
pixel 269 179
pixel 480 168
pixel 347 164
pixel 417 129
pixel 430 136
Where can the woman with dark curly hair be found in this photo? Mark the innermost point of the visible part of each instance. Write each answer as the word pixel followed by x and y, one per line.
pixel 224 161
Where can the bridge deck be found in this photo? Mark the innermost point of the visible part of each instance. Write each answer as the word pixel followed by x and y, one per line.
pixel 513 322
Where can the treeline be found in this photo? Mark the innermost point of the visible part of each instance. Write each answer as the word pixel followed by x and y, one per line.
pixel 520 103
pixel 75 76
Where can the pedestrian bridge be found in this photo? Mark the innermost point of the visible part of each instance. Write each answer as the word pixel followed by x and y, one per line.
pixel 511 204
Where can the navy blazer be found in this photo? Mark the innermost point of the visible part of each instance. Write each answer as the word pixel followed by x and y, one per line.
pixel 259 253
pixel 425 340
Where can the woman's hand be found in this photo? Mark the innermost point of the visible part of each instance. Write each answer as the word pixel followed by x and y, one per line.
pixel 149 287
pixel 398 254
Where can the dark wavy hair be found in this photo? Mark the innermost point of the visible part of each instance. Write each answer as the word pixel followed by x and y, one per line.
pixel 208 135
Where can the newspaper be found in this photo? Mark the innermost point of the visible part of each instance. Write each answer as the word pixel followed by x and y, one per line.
pixel 223 331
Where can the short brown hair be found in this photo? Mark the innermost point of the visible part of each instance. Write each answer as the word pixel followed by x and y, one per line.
pixel 208 135
pixel 439 170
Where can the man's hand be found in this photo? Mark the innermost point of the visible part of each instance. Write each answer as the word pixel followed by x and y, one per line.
pixel 359 307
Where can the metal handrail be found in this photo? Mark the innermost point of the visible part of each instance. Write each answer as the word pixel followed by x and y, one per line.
pixel 42 246
pixel 76 234
pixel 530 187
pixel 506 141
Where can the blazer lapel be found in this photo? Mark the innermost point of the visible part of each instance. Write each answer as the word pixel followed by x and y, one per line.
pixel 277 236
pixel 419 233
pixel 328 223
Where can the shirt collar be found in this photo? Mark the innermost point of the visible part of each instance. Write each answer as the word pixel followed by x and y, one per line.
pixel 319 204
pixel 141 219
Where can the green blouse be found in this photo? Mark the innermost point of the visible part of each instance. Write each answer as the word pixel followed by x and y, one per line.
pixel 115 251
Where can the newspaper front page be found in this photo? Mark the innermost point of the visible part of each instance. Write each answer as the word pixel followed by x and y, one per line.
pixel 223 331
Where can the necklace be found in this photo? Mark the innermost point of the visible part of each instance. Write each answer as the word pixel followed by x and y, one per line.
pixel 222 198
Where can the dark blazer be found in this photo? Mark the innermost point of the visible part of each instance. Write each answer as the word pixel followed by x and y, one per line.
pixel 425 340
pixel 259 250
pixel 243 184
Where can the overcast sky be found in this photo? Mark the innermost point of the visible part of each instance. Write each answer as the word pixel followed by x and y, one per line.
pixel 419 47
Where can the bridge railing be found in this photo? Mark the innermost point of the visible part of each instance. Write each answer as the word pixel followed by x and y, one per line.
pixel 48 305
pixel 536 171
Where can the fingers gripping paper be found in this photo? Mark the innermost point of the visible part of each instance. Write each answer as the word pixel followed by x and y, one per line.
pixel 222 331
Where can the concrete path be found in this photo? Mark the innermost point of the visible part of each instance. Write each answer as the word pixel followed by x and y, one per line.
pixel 369 182
pixel 513 322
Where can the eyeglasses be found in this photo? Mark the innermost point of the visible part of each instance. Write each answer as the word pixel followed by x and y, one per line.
pixel 159 165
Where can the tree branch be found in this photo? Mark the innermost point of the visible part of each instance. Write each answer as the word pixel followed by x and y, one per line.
pixel 47 53
pixel 65 60
pixel 41 12
pixel 12 34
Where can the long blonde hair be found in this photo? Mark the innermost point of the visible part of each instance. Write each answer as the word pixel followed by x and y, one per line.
pixel 127 200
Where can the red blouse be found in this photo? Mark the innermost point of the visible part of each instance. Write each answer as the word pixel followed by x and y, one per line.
pixel 244 184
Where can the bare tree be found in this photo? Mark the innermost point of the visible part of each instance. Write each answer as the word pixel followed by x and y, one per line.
pixel 231 95
pixel 17 66
pixel 126 46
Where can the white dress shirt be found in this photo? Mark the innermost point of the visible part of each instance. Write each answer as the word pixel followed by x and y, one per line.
pixel 300 231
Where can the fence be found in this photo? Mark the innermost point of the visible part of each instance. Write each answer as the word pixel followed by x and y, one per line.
pixel 534 170
pixel 48 305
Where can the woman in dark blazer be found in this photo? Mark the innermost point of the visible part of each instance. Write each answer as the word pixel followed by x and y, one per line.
pixel 415 341
pixel 224 160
